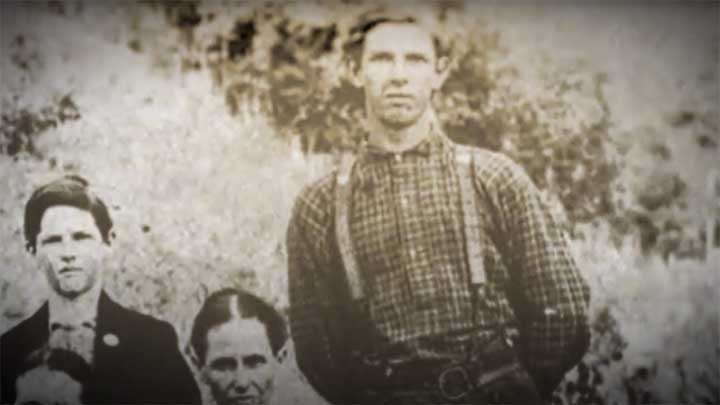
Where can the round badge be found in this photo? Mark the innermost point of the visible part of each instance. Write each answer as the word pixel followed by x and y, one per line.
pixel 111 340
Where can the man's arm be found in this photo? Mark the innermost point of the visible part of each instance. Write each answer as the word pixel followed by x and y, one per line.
pixel 312 314
pixel 551 295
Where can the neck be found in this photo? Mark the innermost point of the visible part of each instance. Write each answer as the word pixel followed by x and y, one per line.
pixel 399 139
pixel 83 306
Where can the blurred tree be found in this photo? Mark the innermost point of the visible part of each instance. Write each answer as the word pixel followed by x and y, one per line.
pixel 289 66
pixel 20 127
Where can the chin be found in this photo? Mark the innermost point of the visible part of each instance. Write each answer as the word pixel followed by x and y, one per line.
pixel 400 120
pixel 397 122
pixel 249 401
pixel 72 291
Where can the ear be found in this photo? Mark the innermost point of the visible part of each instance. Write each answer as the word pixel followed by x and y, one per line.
pixel 105 250
pixel 442 70
pixel 354 73
pixel 282 354
pixel 193 357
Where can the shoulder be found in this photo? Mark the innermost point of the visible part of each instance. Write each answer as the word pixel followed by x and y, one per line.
pixel 29 328
pixel 496 171
pixel 15 345
pixel 313 204
pixel 134 322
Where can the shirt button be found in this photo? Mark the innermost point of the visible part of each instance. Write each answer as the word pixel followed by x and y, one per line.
pixel 398 157
pixel 550 311
pixel 404 202
pixel 412 254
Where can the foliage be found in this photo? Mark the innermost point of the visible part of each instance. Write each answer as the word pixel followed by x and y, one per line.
pixel 293 70
pixel 656 339
pixel 20 127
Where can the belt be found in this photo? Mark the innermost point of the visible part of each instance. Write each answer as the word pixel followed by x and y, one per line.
pixel 453 380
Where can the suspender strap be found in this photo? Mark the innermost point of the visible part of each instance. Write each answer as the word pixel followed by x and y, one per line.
pixel 343 196
pixel 464 166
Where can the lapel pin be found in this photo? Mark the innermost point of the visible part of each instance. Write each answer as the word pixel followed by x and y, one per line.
pixel 110 339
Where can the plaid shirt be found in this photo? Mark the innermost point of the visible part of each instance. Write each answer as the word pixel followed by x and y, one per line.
pixel 407 232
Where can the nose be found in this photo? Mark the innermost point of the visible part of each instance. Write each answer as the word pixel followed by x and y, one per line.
pixel 67 257
pixel 241 381
pixel 397 73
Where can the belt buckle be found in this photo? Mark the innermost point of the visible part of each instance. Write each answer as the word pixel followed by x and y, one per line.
pixel 448 383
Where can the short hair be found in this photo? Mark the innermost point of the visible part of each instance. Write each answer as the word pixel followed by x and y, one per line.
pixel 353 46
pixel 71 190
pixel 60 360
pixel 222 307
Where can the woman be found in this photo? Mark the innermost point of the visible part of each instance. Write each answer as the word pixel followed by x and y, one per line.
pixel 238 344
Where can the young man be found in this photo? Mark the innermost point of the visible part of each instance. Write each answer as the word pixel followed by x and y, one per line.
pixel 134 358
pixel 424 271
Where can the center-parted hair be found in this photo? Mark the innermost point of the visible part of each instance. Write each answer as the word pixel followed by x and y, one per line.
pixel 229 304
pixel 69 190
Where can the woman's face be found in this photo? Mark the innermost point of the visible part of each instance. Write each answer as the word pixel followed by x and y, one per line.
pixel 239 365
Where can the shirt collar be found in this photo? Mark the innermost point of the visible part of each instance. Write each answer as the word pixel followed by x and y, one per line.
pixel 433 142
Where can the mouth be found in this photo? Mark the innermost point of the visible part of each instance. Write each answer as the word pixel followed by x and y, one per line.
pixel 244 400
pixel 398 96
pixel 70 270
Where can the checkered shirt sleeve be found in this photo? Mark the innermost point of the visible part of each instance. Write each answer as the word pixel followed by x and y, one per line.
pixel 313 313
pixel 553 296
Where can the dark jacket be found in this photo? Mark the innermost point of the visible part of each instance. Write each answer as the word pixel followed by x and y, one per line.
pixel 137 359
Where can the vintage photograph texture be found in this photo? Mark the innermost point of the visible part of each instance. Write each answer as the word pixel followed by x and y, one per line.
pixel 198 125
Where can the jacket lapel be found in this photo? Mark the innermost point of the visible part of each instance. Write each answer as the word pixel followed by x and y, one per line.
pixel 108 332
pixel 109 383
pixel 34 332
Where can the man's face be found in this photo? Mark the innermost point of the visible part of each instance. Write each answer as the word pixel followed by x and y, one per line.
pixel 42 386
pixel 70 250
pixel 239 365
pixel 399 73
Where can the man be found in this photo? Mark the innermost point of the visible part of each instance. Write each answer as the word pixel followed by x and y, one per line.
pixel 424 271
pixel 134 358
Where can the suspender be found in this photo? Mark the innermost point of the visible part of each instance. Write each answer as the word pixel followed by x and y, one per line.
pixel 343 194
pixel 464 167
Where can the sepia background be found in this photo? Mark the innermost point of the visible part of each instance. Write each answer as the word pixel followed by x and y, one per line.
pixel 199 123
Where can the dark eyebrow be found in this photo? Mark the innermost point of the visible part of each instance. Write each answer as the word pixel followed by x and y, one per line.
pixel 79 235
pixel 51 239
pixel 417 56
pixel 223 362
pixel 254 359
pixel 380 54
